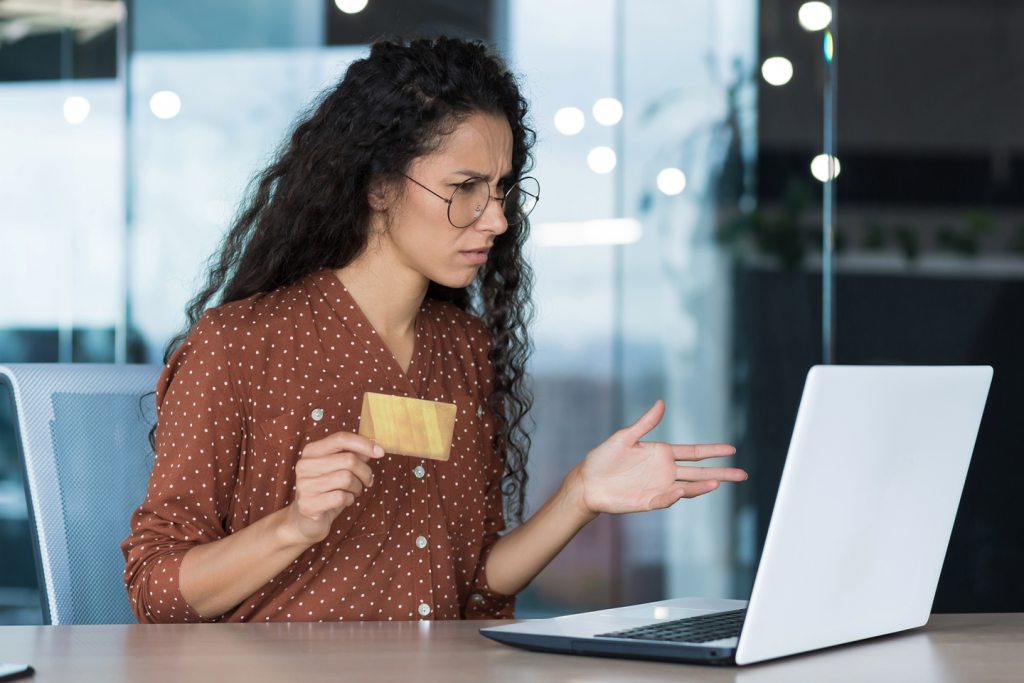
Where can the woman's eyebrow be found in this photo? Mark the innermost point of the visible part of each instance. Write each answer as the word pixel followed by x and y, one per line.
pixel 473 174
pixel 478 174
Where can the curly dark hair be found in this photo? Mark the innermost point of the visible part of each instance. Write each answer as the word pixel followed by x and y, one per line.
pixel 310 210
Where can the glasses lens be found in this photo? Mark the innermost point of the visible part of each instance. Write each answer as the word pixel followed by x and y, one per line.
pixel 468 203
pixel 521 200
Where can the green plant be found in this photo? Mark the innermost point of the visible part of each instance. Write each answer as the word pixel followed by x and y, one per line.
pixel 957 241
pixel 781 236
pixel 906 238
pixel 967 241
pixel 874 236
pixel 979 223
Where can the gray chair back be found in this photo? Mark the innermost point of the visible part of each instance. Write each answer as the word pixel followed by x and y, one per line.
pixel 82 433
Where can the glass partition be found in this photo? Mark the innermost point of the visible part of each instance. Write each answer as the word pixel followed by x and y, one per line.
pixel 633 285
pixel 231 109
pixel 929 243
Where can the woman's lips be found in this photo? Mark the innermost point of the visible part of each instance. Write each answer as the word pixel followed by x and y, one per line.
pixel 479 257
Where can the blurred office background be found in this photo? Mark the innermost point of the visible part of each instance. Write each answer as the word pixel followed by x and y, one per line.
pixel 677 245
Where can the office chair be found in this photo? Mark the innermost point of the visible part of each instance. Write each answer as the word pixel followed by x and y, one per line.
pixel 82 433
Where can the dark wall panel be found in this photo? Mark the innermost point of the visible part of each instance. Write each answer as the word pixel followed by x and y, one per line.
pixel 410 19
pixel 897 320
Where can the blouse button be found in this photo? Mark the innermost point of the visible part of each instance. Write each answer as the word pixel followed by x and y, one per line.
pixel 318 414
pixel 421 542
pixel 424 609
pixel 418 471
pixel 476 597
pixel 479 412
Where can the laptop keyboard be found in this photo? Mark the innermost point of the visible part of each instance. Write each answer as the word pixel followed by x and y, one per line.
pixel 700 629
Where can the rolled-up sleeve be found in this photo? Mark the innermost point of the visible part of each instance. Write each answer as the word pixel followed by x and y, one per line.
pixel 199 441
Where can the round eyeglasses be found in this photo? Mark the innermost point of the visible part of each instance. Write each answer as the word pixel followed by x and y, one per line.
pixel 470 199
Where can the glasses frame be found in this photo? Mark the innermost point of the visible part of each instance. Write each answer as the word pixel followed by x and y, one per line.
pixel 502 199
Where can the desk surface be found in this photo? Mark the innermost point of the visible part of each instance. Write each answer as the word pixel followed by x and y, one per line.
pixel 978 647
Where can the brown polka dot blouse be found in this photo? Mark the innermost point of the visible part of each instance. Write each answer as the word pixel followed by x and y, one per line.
pixel 255 381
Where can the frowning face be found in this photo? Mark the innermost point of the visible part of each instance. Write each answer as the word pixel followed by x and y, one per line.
pixel 477 155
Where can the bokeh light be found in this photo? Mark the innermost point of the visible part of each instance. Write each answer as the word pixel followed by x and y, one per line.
pixel 76 109
pixel 819 167
pixel 569 120
pixel 814 16
pixel 608 111
pixel 165 104
pixel 601 159
pixel 671 181
pixel 351 6
pixel 777 70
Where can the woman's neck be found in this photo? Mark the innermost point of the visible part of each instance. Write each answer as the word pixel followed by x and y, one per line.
pixel 389 294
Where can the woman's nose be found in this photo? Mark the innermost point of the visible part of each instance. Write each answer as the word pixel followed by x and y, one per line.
pixel 493 219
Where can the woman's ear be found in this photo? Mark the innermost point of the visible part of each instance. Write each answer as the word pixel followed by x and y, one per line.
pixel 378 196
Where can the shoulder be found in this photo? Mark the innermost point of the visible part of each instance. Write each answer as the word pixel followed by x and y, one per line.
pixel 238 321
pixel 460 325
pixel 229 332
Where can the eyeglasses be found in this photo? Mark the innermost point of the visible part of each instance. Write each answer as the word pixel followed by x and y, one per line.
pixel 470 199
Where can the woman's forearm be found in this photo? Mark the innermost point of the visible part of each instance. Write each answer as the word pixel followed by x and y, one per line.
pixel 217 576
pixel 620 476
pixel 522 553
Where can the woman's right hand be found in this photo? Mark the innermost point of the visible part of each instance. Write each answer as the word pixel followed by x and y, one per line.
pixel 329 475
pixel 216 576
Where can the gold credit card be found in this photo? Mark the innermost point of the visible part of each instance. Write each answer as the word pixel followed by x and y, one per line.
pixel 408 426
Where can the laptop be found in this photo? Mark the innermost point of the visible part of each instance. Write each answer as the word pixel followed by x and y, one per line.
pixel 869 492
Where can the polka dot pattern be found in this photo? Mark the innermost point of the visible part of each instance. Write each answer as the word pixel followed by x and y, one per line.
pixel 236 407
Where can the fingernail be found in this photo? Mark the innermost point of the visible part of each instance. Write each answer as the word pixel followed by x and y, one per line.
pixel 378 450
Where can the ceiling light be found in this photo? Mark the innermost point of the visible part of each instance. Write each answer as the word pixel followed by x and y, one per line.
pixel 777 70
pixel 814 16
pixel 819 167
pixel 608 111
pixel 569 120
pixel 671 181
pixel 165 104
pixel 601 159
pixel 351 6
pixel 76 109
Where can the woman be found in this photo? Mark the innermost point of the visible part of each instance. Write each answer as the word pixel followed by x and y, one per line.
pixel 397 206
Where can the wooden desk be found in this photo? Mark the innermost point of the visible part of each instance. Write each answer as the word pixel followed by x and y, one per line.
pixel 975 648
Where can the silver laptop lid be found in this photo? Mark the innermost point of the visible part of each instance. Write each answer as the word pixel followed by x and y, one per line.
pixel 865 508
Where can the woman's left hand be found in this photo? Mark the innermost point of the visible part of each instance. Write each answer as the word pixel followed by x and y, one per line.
pixel 625 474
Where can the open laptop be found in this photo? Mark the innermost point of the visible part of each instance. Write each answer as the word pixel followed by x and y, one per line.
pixel 856 541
